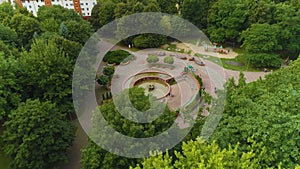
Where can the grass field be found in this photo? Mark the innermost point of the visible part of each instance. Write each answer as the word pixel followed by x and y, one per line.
pixel 241 58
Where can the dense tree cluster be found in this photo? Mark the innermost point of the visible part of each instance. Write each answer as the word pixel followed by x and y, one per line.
pixel 260 125
pixel 109 10
pixel 96 157
pixel 266 29
pixel 266 111
pixel 200 154
pixel 37 59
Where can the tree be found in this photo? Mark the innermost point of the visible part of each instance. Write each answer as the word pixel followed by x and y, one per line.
pixel 6 12
pixel 94 157
pixel 37 135
pixel 46 73
pixel 196 11
pixel 286 15
pixel 242 80
pixel 263 60
pixel 260 38
pixel 152 59
pixel 78 31
pixel 8 35
pixel 168 6
pixel 71 48
pixel 261 110
pixel 200 154
pixel 169 60
pixel 106 13
pixel 9 98
pixel 260 11
pixel 25 27
pixel 102 80
pixel 94 18
pixel 57 13
pixel 109 71
pixel 149 41
pixel 49 25
pixel 226 19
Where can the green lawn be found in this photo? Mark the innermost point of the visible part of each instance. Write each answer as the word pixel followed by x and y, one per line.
pixel 240 58
pixel 4 160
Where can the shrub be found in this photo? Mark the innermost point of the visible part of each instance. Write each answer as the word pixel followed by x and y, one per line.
pixel 152 59
pixel 169 60
pixel 116 57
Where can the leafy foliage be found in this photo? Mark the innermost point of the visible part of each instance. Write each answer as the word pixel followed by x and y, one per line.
pixel 25 27
pixel 196 11
pixel 261 60
pixel 37 135
pixel 102 80
pixel 152 59
pixel 8 35
pixel 200 154
pixel 266 111
pixel 116 56
pixel 109 71
pixel 95 157
pixel 260 38
pixel 9 99
pixel 169 60
pixel 149 41
pixel 50 72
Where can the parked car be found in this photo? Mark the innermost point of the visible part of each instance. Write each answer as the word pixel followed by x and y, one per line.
pixel 181 57
pixel 192 59
pixel 200 63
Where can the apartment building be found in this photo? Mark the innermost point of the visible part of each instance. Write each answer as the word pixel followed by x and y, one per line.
pixel 83 7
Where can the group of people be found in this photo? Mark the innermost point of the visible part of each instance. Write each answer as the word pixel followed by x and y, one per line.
pixel 222 51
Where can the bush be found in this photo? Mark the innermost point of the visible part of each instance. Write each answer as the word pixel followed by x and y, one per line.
pixel 116 57
pixel 149 41
pixel 152 59
pixel 169 60
pixel 261 60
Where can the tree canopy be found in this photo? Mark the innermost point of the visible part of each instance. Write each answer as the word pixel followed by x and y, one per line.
pixel 37 135
pixel 200 154
pixel 266 111
pixel 96 157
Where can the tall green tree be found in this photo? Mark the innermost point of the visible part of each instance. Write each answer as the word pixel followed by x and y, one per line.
pixel 200 154
pixel 25 27
pixel 261 38
pixel 266 111
pixel 226 20
pixel 37 136
pixel 286 15
pixel 8 35
pixel 94 17
pixel 46 73
pixel 168 6
pixel 106 13
pixel 9 98
pixel 196 11
pixel 6 12
pixel 78 31
pixel 95 157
